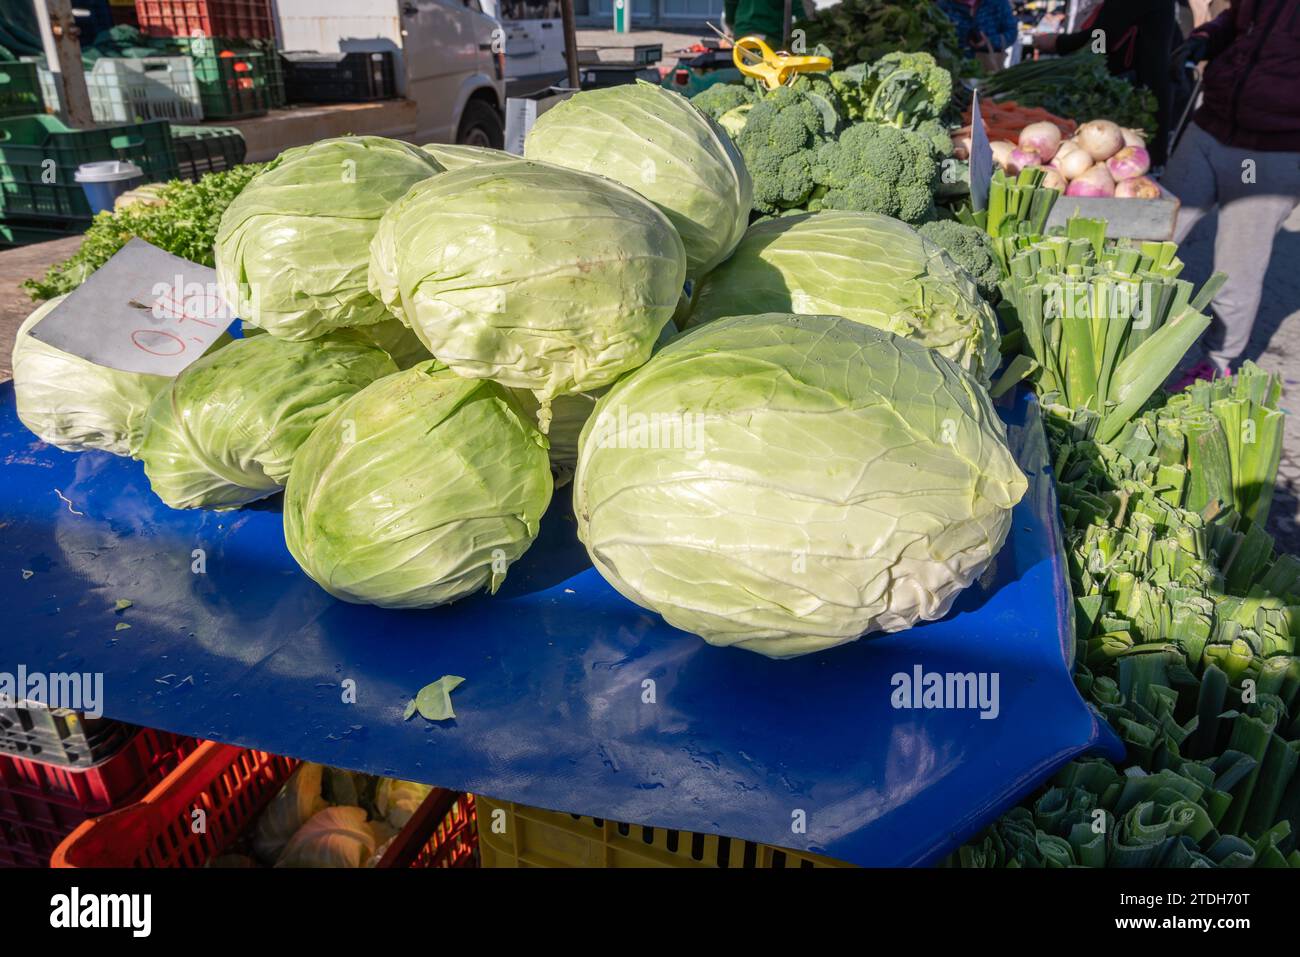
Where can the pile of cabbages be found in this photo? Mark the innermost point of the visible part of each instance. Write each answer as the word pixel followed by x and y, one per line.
pixel 778 436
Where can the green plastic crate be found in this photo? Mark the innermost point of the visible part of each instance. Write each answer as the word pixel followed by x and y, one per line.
pixel 39 157
pixel 20 89
pixel 232 76
pixel 207 149
pixel 22 234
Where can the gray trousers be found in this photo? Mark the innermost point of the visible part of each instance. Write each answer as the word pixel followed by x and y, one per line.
pixel 1255 191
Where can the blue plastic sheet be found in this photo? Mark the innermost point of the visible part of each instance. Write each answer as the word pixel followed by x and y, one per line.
pixel 574 698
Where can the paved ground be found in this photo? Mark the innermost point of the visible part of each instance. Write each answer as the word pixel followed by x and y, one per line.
pixel 15 305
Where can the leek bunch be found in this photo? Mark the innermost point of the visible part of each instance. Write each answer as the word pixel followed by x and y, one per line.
pixel 1101 324
pixel 1187 641
pixel 1017 212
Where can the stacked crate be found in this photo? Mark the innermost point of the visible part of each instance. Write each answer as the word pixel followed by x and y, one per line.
pixel 232 44
pixel 59 768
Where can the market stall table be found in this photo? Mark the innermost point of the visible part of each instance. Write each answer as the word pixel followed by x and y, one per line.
pixel 574 698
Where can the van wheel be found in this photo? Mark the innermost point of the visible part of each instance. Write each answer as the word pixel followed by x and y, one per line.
pixel 480 125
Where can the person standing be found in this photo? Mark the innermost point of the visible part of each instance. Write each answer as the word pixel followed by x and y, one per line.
pixel 1241 156
pixel 761 18
pixel 985 28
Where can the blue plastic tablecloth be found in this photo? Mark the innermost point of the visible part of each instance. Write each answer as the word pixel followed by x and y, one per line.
pixel 553 712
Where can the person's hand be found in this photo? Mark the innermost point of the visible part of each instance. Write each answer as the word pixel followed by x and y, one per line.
pixel 1045 42
pixel 1200 11
pixel 1195 50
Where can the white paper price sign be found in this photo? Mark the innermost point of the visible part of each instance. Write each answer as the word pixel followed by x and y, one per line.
pixel 981 158
pixel 144 310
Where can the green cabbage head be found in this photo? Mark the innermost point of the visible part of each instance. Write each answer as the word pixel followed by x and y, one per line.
pixel 225 431
pixel 654 141
pixel 293 249
pixel 865 267
pixel 537 277
pixel 419 489
pixel 74 404
pixel 786 483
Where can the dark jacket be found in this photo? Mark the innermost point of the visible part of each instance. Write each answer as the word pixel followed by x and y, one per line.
pixel 980 20
pixel 1252 80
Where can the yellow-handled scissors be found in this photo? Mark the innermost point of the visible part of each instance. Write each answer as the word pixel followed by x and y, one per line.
pixel 755 58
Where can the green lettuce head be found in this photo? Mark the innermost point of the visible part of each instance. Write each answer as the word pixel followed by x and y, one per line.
pixel 225 431
pixel 420 489
pixel 293 249
pixel 862 266
pixel 537 277
pixel 655 142
pixel 74 404
pixel 786 483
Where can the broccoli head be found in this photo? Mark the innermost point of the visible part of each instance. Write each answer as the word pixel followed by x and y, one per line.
pixel 971 249
pixel 855 96
pixel 723 97
pixel 876 169
pixel 779 142
pixel 907 89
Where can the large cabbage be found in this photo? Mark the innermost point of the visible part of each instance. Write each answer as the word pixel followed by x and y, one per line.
pixel 75 404
pixel 538 277
pixel 656 142
pixel 862 266
pixel 419 489
pixel 226 430
pixel 789 483
pixel 293 249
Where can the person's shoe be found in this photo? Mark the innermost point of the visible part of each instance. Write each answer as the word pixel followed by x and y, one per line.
pixel 1205 369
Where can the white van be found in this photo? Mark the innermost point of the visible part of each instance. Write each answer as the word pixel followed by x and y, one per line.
pixel 534 48
pixel 449 57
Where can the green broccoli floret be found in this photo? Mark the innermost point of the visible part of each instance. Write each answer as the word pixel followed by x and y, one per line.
pixel 971 249
pixel 935 132
pixel 907 89
pixel 854 95
pixel 722 97
pixel 877 169
pixel 779 143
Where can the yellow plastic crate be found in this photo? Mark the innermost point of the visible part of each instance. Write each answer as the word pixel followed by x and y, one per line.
pixel 514 835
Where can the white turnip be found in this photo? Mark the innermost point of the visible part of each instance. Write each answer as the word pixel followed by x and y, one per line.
pixel 1133 137
pixel 1020 158
pixel 1075 163
pixel 1139 187
pixel 1042 138
pixel 1101 138
pixel 1002 150
pixel 1128 163
pixel 1095 182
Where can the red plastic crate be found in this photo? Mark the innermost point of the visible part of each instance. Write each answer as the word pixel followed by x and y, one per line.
pixel 232 784
pixel 234 19
pixel 40 804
